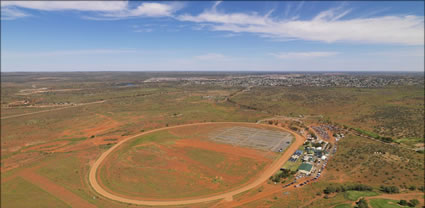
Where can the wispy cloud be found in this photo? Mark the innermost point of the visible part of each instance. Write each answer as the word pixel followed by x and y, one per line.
pixel 12 13
pixel 327 26
pixel 147 9
pixel 105 10
pixel 104 6
pixel 210 56
pixel 143 30
pixel 311 54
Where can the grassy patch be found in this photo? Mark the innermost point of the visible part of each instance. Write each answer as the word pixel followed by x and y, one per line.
pixel 384 203
pixel 293 166
pixel 209 158
pixel 354 195
pixel 410 141
pixel 20 193
pixel 343 206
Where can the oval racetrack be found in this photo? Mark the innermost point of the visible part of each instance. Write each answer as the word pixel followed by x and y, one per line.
pixel 275 166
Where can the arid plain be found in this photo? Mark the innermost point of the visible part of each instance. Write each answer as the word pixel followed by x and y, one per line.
pixel 177 141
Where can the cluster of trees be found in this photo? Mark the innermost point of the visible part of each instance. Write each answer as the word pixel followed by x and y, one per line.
pixel 342 188
pixel 374 135
pixel 411 203
pixel 389 189
pixel 285 173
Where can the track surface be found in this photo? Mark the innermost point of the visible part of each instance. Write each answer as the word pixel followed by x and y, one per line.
pixel 275 166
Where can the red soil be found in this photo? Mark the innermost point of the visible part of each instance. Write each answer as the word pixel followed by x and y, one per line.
pixel 185 165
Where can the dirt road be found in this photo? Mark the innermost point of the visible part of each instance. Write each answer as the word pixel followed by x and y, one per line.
pixel 275 166
pixel 56 109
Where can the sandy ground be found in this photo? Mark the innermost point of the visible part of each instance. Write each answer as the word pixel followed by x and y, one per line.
pixel 299 140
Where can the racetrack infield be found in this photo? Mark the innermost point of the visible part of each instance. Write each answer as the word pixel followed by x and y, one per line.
pixel 182 164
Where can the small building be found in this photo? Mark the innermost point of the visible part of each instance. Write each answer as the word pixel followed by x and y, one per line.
pixel 305 168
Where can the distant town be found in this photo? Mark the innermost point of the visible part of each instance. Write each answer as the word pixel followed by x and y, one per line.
pixel 358 80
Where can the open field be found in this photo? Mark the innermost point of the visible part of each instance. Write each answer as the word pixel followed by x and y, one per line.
pixel 61 146
pixel 21 193
pixel 396 112
pixel 183 162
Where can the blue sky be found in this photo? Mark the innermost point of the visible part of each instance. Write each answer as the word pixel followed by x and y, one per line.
pixel 209 35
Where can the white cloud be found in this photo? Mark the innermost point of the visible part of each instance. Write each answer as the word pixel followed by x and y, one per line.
pixel 328 26
pixel 147 10
pixel 235 18
pixel 312 54
pixel 143 30
pixel 12 13
pixel 106 10
pixel 104 6
pixel 210 56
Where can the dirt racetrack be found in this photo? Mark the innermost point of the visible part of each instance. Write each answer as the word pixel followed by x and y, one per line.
pixel 275 166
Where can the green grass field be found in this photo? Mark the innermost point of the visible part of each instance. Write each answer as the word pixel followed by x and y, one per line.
pixel 343 206
pixel 293 166
pixel 355 195
pixel 19 193
pixel 384 203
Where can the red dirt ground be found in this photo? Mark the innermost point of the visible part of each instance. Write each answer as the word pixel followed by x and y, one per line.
pixel 185 163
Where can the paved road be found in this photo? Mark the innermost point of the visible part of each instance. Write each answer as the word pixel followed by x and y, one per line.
pixel 276 165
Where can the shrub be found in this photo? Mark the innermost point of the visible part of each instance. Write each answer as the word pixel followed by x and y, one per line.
pixel 342 188
pixel 390 189
pixel 362 203
pixel 402 202
pixel 413 203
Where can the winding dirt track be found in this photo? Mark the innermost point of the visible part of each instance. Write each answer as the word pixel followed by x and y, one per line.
pixel 275 166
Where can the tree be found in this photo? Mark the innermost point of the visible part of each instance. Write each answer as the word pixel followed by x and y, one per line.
pixel 412 187
pixel 329 189
pixel 413 203
pixel 386 139
pixel 394 189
